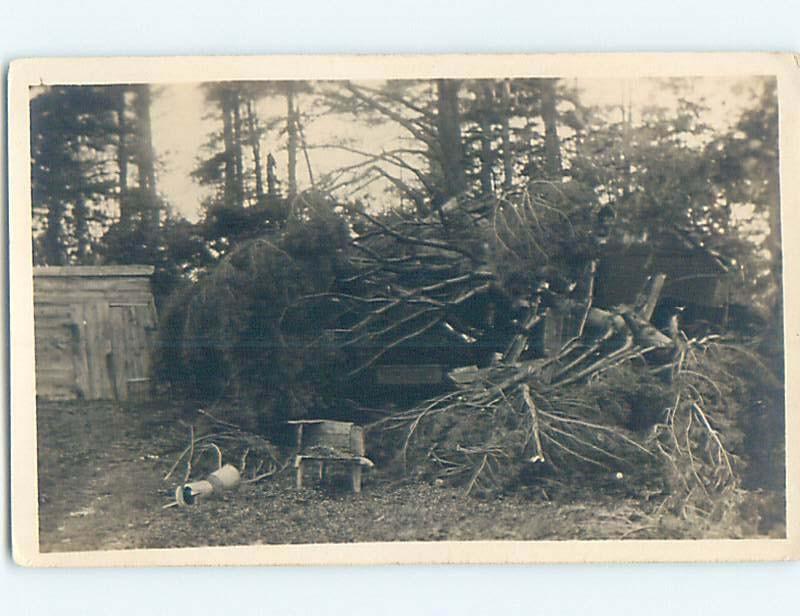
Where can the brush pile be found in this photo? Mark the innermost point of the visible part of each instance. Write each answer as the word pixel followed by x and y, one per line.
pixel 229 336
pixel 618 401
pixel 661 420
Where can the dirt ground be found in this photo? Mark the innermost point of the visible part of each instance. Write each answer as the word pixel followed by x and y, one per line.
pixel 101 486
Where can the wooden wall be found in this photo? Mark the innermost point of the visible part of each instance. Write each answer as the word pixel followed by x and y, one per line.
pixel 95 329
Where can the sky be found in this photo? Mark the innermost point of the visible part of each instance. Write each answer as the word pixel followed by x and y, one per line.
pixel 181 126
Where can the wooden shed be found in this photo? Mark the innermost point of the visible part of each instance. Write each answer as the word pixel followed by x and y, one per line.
pixel 95 329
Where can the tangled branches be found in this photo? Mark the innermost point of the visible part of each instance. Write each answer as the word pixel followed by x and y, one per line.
pixel 607 405
pixel 409 276
pixel 254 456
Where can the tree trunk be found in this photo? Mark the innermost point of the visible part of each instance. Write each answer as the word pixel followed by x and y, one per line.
pixel 552 144
pixel 237 149
pixel 272 179
pixel 51 244
pixel 487 156
pixel 122 154
pixel 627 129
pixel 291 132
pixel 305 154
pixel 81 215
pixel 448 124
pixel 256 147
pixel 275 204
pixel 229 191
pixel 508 155
pixel 146 160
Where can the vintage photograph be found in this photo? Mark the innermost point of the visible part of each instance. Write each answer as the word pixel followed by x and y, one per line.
pixel 409 309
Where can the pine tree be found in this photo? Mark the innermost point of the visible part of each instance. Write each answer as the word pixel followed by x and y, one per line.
pixel 73 171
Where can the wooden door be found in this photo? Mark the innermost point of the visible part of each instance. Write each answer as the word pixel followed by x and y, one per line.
pixel 92 350
pixel 132 327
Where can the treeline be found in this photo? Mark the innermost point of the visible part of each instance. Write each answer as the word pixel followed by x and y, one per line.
pixel 661 175
pixel 94 178
pixel 94 175
pixel 93 165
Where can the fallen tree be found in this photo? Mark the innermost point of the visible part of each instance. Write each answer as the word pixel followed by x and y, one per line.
pixel 619 398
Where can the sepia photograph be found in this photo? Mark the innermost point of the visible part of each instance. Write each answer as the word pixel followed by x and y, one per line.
pixel 488 309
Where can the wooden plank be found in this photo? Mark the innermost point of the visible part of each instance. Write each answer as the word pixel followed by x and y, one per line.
pixel 54 338
pixel 51 271
pixel 90 341
pixel 137 344
pixel 75 298
pixel 80 351
pixel 121 291
pixel 64 370
pixel 138 348
pixel 117 356
pixel 65 297
pixel 327 434
pixel 54 391
pixel 553 331
pixel 106 350
pixel 134 365
pixel 84 282
pixel 56 361
pixel 58 313
pixel 122 353
pixel 48 285
pixel 147 317
pixel 357 445
pixel 53 328
pixel 355 477
pixel 128 341
pixel 97 347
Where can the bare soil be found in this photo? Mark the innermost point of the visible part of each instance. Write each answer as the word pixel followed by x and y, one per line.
pixel 101 486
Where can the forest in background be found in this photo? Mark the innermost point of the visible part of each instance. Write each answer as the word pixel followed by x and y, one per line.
pixel 96 198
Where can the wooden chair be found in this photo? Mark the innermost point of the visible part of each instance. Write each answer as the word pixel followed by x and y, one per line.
pixel 329 443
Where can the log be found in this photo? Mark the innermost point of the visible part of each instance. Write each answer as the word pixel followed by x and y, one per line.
pixel 644 333
pixel 520 341
pixel 649 296
pixel 596 317
pixel 526 396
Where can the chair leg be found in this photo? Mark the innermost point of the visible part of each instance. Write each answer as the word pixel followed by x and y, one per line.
pixel 299 475
pixel 355 475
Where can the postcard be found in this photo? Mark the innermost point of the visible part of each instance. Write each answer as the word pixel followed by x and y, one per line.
pixel 307 310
